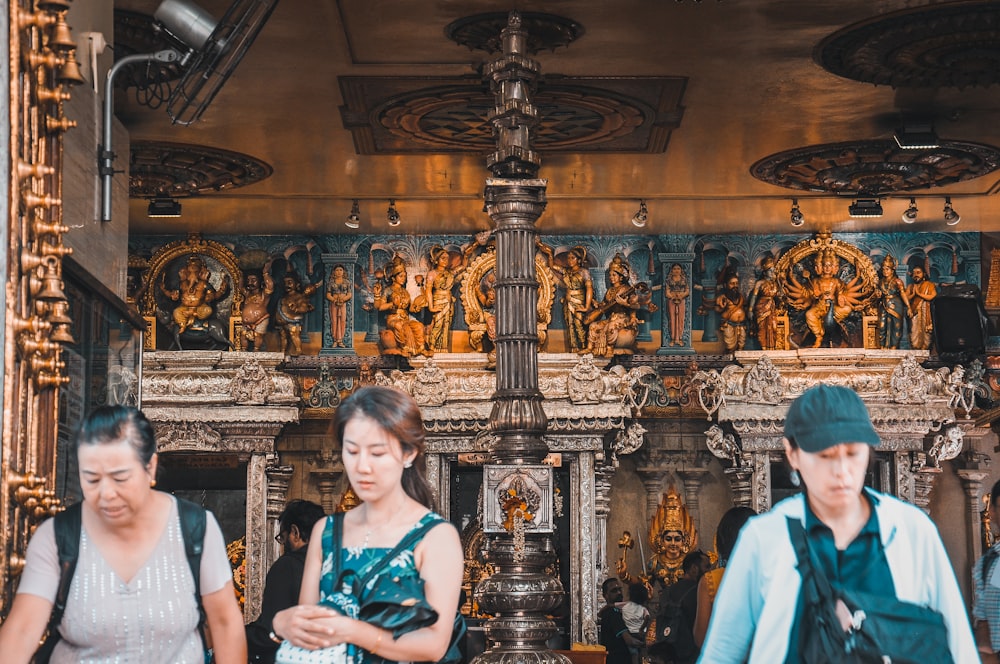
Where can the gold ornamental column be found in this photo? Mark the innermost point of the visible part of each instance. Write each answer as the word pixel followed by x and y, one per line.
pixel 517 493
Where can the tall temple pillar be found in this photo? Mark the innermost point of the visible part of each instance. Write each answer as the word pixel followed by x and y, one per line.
pixel 517 495
pixel 693 477
pixel 326 483
pixel 652 480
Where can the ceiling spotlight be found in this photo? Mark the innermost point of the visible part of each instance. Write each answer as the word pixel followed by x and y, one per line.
pixel 392 214
pixel 796 214
pixel 865 207
pixel 354 218
pixel 640 217
pixel 164 206
pixel 910 214
pixel 916 137
pixel 950 216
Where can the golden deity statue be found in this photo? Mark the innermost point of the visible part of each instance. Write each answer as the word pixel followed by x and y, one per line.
pixel 672 535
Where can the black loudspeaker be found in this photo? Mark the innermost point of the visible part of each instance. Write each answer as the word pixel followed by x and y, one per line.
pixel 960 322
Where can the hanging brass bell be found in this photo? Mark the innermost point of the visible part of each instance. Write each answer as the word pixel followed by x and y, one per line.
pixel 53 6
pixel 61 38
pixel 69 73
pixel 58 313
pixel 51 289
pixel 62 334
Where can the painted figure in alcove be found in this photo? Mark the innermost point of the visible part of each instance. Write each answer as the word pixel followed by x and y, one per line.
pixel 403 335
pixel 613 323
pixel 893 305
pixel 579 295
pixel 731 305
pixel 676 291
pixel 486 294
pixel 339 293
pixel 195 294
pixel 255 315
pixel 439 296
pixel 292 308
pixel 672 535
pixel 826 299
pixel 920 292
pixel 766 305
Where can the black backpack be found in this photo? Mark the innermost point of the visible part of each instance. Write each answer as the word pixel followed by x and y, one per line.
pixel 68 525
pixel 674 632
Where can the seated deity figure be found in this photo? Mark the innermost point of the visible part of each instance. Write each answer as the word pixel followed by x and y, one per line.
pixel 613 323
pixel 893 305
pixel 403 335
pixel 766 305
pixel 826 299
pixel 920 292
pixel 194 294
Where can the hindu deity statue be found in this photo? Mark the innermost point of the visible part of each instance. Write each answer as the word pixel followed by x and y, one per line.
pixel 613 323
pixel 403 335
pixel 194 294
pixel 893 305
pixel 438 294
pixel 731 305
pixel 825 297
pixel 672 535
pixel 920 292
pixel 766 304
pixel 579 295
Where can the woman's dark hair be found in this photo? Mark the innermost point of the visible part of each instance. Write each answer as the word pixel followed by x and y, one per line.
pixel 398 415
pixel 112 424
pixel 995 494
pixel 303 514
pixel 729 529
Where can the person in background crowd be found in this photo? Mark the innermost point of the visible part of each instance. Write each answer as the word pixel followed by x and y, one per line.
pixel 986 585
pixel 614 634
pixel 132 595
pixel 865 541
pixel 685 593
pixel 284 579
pixel 381 433
pixel 636 616
pixel 725 539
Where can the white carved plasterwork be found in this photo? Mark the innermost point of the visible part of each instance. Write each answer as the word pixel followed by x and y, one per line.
pixel 761 482
pixel 258 537
pixel 585 383
pixel 251 385
pixel 430 385
pixel 946 445
pixel 763 383
pixel 185 436
pixel 723 446
pixel 909 382
pixel 582 566
pixel 629 440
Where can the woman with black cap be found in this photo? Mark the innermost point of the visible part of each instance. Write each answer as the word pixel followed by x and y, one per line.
pixel 863 541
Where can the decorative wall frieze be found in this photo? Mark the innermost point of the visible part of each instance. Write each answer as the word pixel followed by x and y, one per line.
pixel 216 378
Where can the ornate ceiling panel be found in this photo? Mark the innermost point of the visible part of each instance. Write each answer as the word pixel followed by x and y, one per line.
pixel 389 115
pixel 875 167
pixel 952 44
pixel 179 170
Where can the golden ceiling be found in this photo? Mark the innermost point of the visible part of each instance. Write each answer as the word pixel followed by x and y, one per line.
pixel 668 101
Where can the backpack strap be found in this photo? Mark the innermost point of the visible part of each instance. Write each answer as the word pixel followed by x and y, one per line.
pixel 820 586
pixel 193 520
pixel 68 525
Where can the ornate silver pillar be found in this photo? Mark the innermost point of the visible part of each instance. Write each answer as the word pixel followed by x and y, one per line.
pixel 517 491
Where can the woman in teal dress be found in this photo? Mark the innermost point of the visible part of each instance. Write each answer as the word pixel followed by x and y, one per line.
pixel 381 435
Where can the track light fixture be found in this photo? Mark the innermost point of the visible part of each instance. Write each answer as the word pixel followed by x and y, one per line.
pixel 354 218
pixel 641 215
pixel 795 215
pixel 392 214
pixel 916 136
pixel 910 214
pixel 950 216
pixel 865 207
pixel 164 206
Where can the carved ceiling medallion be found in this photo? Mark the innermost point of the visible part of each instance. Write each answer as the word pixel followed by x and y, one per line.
pixel 180 170
pixel 952 44
pixel 542 31
pixel 389 115
pixel 875 167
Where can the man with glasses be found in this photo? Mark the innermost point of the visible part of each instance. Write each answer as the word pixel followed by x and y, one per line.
pixel 281 589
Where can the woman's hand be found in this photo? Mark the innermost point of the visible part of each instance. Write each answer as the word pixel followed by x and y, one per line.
pixel 309 626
